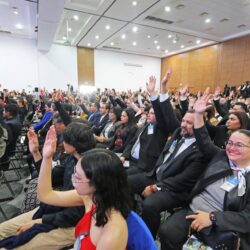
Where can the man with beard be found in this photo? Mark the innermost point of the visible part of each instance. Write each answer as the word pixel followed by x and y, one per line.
pixel 177 168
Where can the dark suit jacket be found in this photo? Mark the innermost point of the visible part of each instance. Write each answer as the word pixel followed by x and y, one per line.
pixel 94 118
pixel 150 145
pixel 236 214
pixel 98 127
pixel 183 171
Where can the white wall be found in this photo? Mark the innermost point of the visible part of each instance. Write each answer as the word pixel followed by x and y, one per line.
pixel 21 65
pixel 112 71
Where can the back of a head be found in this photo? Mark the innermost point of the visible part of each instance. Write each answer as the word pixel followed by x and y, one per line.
pixel 80 136
pixel 12 109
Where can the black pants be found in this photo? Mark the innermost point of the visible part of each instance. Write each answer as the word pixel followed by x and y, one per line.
pixel 174 231
pixel 156 203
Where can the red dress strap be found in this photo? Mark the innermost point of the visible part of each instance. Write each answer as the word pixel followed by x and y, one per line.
pixel 82 232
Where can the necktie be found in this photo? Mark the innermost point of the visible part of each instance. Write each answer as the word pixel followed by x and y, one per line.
pixel 172 152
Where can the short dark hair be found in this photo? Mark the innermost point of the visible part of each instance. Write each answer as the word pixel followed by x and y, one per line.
pixel 244 132
pixel 80 136
pixel 242 105
pixel 107 175
pixel 12 109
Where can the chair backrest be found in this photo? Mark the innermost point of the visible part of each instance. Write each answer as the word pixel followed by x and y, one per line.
pixel 139 236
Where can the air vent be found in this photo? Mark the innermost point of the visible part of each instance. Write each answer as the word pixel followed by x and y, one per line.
pixel 111 47
pixel 159 20
pixel 190 42
pixel 224 20
pixel 203 14
pixel 180 6
pixel 209 29
pixel 241 26
pixel 5 32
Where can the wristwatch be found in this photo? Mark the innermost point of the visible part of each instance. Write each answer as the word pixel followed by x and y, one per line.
pixel 213 219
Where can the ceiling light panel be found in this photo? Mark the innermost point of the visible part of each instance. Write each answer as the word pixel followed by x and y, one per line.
pixel 89 6
pixel 127 11
pixel 194 14
pixel 153 46
pixel 78 27
pixel 104 34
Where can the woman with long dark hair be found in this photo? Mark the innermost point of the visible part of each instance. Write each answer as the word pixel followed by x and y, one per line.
pixel 125 132
pixel 100 183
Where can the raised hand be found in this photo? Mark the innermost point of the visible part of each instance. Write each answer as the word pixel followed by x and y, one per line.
pixel 200 105
pixel 217 91
pixel 184 90
pixel 33 142
pixel 150 85
pixel 49 147
pixel 164 81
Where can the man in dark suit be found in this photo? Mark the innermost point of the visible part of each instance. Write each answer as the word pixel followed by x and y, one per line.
pixel 179 166
pixel 103 119
pixel 94 115
pixel 147 144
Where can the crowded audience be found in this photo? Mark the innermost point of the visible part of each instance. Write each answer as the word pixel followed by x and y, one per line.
pixel 96 157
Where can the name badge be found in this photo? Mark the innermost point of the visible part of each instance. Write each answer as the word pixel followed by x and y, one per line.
pixel 150 130
pixel 230 183
pixel 172 147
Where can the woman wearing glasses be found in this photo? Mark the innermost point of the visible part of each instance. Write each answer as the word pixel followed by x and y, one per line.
pixel 100 183
pixel 221 198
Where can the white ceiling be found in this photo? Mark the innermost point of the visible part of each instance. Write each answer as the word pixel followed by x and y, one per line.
pixel 228 19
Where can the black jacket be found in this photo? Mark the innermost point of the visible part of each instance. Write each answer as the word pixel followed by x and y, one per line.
pixel 236 214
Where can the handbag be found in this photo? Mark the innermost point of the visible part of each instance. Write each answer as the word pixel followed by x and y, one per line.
pixel 220 240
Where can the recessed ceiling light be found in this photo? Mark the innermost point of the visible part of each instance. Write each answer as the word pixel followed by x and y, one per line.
pixel 15 10
pixel 76 17
pixel 198 41
pixel 107 27
pixel 97 37
pixel 174 41
pixel 208 20
pixel 182 46
pixel 64 38
pixel 166 51
pixel 167 8
pixel 158 47
pixel 69 29
pixel 148 36
pixel 135 29
pixel 19 26
pixel 155 41
pixel 134 43
pixel 169 36
pixel 123 36
pixel 88 44
pixel 134 3
pixel 112 44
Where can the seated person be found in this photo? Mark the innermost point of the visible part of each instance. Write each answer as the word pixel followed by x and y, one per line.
pixel 3 138
pixel 108 132
pixel 101 186
pixel 77 138
pixel 124 133
pixel 104 117
pixel 211 203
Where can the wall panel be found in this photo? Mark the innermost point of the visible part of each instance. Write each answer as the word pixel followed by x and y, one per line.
pixel 224 63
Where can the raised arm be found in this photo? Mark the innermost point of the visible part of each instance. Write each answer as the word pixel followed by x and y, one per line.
pixel 45 192
pixel 204 142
